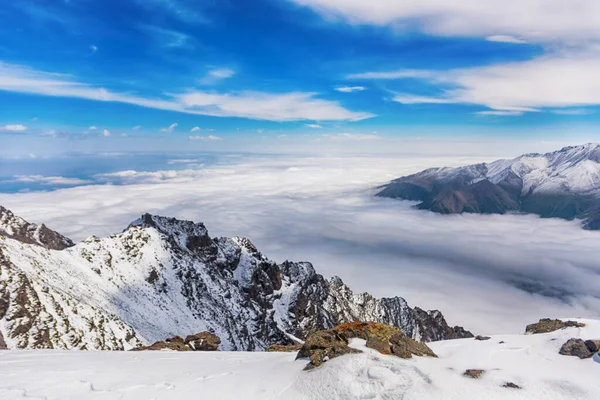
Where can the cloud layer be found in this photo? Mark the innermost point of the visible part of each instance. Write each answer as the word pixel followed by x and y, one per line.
pixel 489 273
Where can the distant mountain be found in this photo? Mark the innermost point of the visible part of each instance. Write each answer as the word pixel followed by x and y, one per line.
pixel 163 277
pixel 563 184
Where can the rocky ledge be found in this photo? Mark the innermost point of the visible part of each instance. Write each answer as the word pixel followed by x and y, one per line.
pixel 203 341
pixel 386 339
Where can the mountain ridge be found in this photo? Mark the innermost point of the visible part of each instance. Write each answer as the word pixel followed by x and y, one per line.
pixel 562 184
pixel 163 277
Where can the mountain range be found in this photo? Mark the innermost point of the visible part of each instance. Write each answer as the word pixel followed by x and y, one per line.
pixel 163 277
pixel 562 184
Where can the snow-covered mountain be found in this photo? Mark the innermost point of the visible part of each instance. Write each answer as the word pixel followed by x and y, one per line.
pixel 163 277
pixel 563 184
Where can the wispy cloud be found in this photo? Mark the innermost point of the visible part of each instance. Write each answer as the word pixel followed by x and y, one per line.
pixel 573 111
pixel 49 180
pixel 350 136
pixel 92 128
pixel 170 128
pixel 168 38
pixel 209 138
pixel 563 80
pixel 93 48
pixel 216 75
pixel 294 106
pixel 106 133
pixel 505 39
pixel 14 128
pixel 498 113
pixel 313 126
pixel 136 128
pixel 184 10
pixel 350 89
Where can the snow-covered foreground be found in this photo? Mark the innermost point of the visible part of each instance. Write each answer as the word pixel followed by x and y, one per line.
pixel 530 361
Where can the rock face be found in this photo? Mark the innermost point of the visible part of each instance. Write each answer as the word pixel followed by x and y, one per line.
pixel 163 276
pixel 17 228
pixel 281 348
pixel 546 325
pixel 577 348
pixel 563 184
pixel 482 338
pixel 327 344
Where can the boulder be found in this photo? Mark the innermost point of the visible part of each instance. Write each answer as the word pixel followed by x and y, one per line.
pixel 177 339
pixel 593 345
pixel 479 337
pixel 283 348
pixel 474 373
pixel 577 348
pixel 203 341
pixel 386 339
pixel 546 325
pixel 511 385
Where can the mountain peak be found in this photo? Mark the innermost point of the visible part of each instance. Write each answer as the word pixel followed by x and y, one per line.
pixel 19 229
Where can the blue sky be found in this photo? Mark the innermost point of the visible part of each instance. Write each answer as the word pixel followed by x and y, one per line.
pixel 78 74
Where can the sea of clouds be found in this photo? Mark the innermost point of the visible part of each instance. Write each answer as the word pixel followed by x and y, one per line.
pixel 492 274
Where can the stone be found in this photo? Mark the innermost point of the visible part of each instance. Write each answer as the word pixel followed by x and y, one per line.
pixel 203 341
pixel 386 339
pixel 593 345
pixel 175 346
pixel 177 339
pixel 546 325
pixel 577 348
pixel 479 337
pixel 474 373
pixel 283 348
pixel 511 385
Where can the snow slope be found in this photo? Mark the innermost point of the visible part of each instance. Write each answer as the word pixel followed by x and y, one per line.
pixel 530 361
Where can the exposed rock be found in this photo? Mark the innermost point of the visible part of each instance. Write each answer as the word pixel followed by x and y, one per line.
pixel 511 385
pixel 546 325
pixel 577 348
pixel 203 341
pixel 170 275
pixel 474 373
pixel 178 339
pixel 175 346
pixel 283 348
pixel 479 337
pixel 385 339
pixel 323 345
pixel 2 342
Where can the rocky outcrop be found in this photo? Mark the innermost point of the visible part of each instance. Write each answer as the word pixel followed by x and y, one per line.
pixel 281 348
pixel 386 339
pixel 17 228
pixel 474 373
pixel 163 276
pixel 577 348
pixel 203 341
pixel 482 338
pixel 511 385
pixel 546 325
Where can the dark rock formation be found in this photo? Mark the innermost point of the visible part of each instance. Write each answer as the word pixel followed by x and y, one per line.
pixel 577 348
pixel 511 385
pixel 593 345
pixel 17 228
pixel 546 325
pixel 479 337
pixel 385 339
pixel 474 373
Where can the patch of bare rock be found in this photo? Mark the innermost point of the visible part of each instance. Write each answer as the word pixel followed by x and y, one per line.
pixel 283 348
pixel 579 348
pixel 474 373
pixel 203 341
pixel 546 325
pixel 331 343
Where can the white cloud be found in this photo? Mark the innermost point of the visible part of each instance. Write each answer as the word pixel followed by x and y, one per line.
pixel 313 126
pixel 497 113
pixel 106 133
pixel 14 128
pixel 92 128
pixel 350 89
pixel 322 209
pixel 532 20
pixel 195 129
pixel 124 135
pixel 170 129
pixel 216 75
pixel 351 136
pixel 136 128
pixel 556 81
pixel 168 38
pixel 505 39
pixel 573 111
pixel 49 180
pixel 209 138
pixel 294 106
